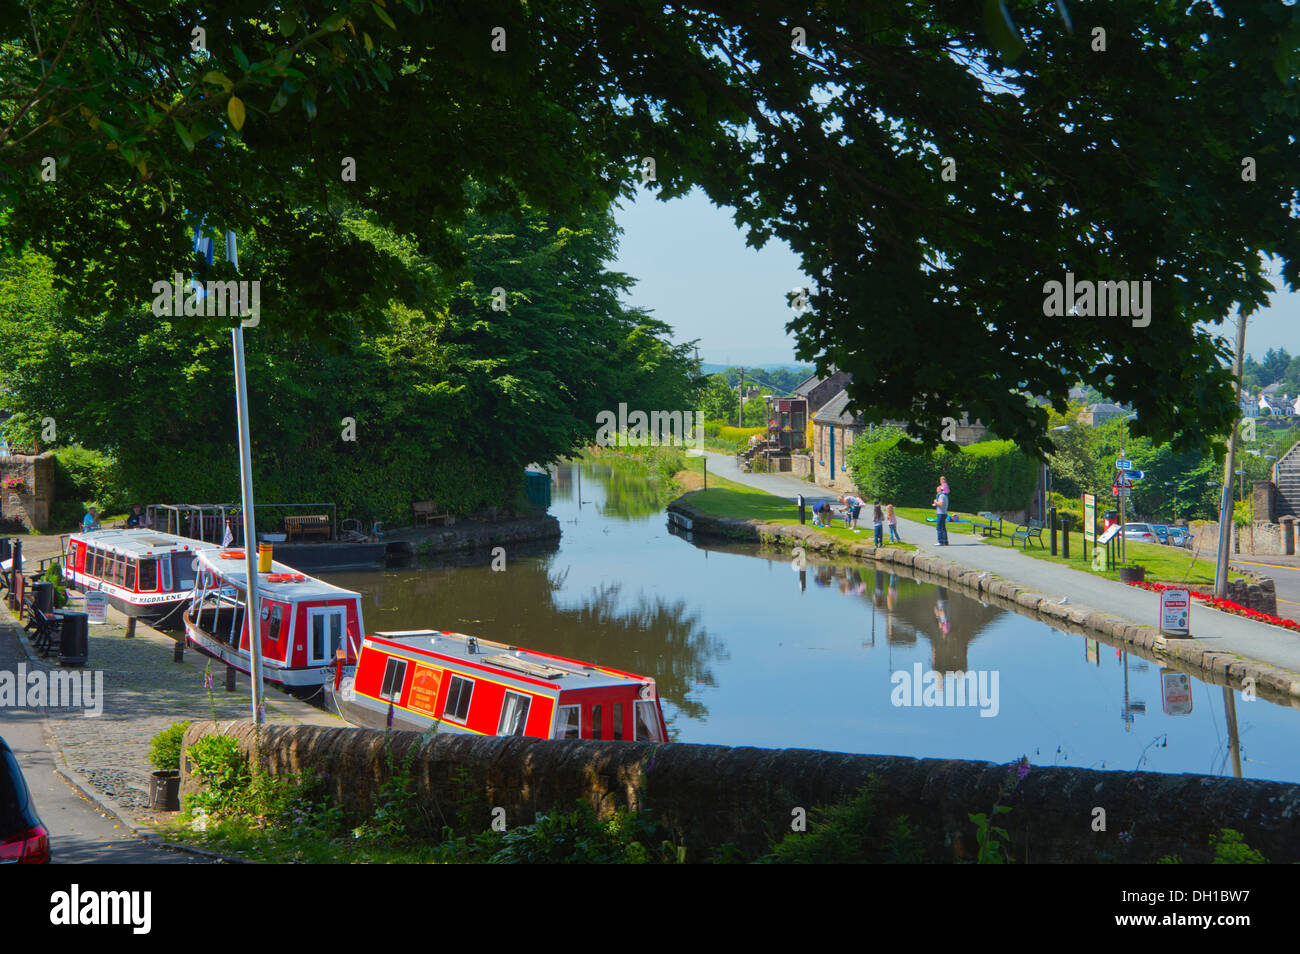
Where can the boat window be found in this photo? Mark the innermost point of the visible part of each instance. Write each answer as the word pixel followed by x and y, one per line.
pixel 325 633
pixel 394 676
pixel 183 569
pixel 514 714
pixel 596 724
pixel 647 722
pixel 458 696
pixel 119 569
pixel 92 555
pixel 99 564
pixel 567 725
pixel 110 566
pixel 148 576
pixel 618 722
pixel 130 574
pixel 165 573
pixel 276 620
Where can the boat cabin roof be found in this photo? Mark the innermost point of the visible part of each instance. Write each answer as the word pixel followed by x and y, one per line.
pixel 309 589
pixel 557 671
pixel 139 541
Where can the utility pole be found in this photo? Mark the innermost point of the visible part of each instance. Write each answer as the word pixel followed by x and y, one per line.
pixel 741 421
pixel 1229 465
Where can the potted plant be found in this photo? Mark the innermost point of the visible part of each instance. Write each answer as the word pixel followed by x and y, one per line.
pixel 1134 573
pixel 165 754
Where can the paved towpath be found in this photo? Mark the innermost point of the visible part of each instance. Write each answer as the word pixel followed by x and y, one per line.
pixel 106 756
pixel 1212 629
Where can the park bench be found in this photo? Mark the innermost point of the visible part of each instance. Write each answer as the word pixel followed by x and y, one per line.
pixel 987 528
pixel 428 511
pixel 315 524
pixel 45 628
pixel 1028 531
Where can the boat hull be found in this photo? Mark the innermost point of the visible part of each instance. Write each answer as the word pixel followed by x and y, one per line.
pixel 305 682
pixel 368 714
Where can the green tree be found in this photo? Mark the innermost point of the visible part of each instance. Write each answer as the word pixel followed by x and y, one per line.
pixel 717 401
pixel 934 177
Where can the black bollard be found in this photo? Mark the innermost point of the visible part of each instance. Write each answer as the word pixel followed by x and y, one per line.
pixel 1065 537
pixel 230 679
pixel 1051 517
pixel 178 651
pixel 803 517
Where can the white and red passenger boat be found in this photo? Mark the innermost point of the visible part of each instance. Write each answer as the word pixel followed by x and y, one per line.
pixel 421 679
pixel 144 573
pixel 306 623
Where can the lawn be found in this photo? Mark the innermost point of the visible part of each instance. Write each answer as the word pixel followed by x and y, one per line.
pixel 726 498
pixel 1163 564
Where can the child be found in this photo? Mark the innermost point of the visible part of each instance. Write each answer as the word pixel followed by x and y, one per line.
pixel 877 521
pixel 891 518
pixel 852 508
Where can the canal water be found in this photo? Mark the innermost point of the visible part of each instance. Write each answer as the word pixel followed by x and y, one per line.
pixel 748 651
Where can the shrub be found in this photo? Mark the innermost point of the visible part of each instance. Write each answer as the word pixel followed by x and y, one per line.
pixel 991 475
pixel 223 769
pixel 165 752
pixel 850 832
pixel 579 837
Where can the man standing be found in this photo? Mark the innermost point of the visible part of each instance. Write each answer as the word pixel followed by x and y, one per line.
pixel 941 511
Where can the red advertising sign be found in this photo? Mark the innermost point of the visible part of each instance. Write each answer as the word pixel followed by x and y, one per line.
pixel 424 689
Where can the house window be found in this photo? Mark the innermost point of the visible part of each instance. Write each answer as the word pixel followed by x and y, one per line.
pixel 458 695
pixel 567 725
pixel 647 722
pixel 514 714
pixel 394 676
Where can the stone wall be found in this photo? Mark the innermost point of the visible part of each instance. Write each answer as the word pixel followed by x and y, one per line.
pixel 1260 538
pixel 800 465
pixel 710 795
pixel 31 504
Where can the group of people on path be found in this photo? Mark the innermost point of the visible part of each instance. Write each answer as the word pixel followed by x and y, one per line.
pixel 824 512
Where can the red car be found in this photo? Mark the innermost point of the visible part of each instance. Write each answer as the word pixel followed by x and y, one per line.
pixel 23 839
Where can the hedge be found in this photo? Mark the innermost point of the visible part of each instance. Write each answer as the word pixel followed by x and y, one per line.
pixel 991 475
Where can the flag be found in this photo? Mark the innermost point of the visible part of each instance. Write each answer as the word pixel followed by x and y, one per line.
pixel 227 538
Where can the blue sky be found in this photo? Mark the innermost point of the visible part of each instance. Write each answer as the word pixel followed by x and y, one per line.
pixel 695 272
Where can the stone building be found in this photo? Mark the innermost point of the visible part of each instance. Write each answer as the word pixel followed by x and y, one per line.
pixel 27 489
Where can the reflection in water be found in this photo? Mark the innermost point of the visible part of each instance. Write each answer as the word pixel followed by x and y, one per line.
pixel 750 649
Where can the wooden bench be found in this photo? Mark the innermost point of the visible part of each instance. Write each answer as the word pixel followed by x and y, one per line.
pixel 988 528
pixel 427 510
pixel 316 524
pixel 1028 531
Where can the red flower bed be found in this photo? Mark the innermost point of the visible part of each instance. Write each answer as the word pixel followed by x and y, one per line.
pixel 1227 606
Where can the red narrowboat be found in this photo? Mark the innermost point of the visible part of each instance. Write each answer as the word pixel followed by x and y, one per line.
pixel 306 623
pixel 422 679
pixel 144 573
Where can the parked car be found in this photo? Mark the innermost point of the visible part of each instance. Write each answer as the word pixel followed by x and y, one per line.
pixel 1162 531
pixel 1180 537
pixel 24 839
pixel 1140 532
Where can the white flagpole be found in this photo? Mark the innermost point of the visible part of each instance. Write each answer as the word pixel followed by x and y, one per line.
pixel 250 533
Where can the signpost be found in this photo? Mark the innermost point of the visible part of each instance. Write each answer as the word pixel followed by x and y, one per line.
pixel 1175 609
pixel 96 606
pixel 1089 522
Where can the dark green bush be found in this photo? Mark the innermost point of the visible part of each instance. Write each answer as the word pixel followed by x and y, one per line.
pixel 850 832
pixel 991 475
pixel 165 752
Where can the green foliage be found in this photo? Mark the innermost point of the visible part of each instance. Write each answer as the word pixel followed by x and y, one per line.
pixel 165 749
pixel 991 475
pixel 54 574
pixel 850 832
pixel 1230 848
pixel 991 839
pixel 716 400
pixel 450 397
pixel 397 814
pixel 579 837
pixel 84 478
pixel 223 769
